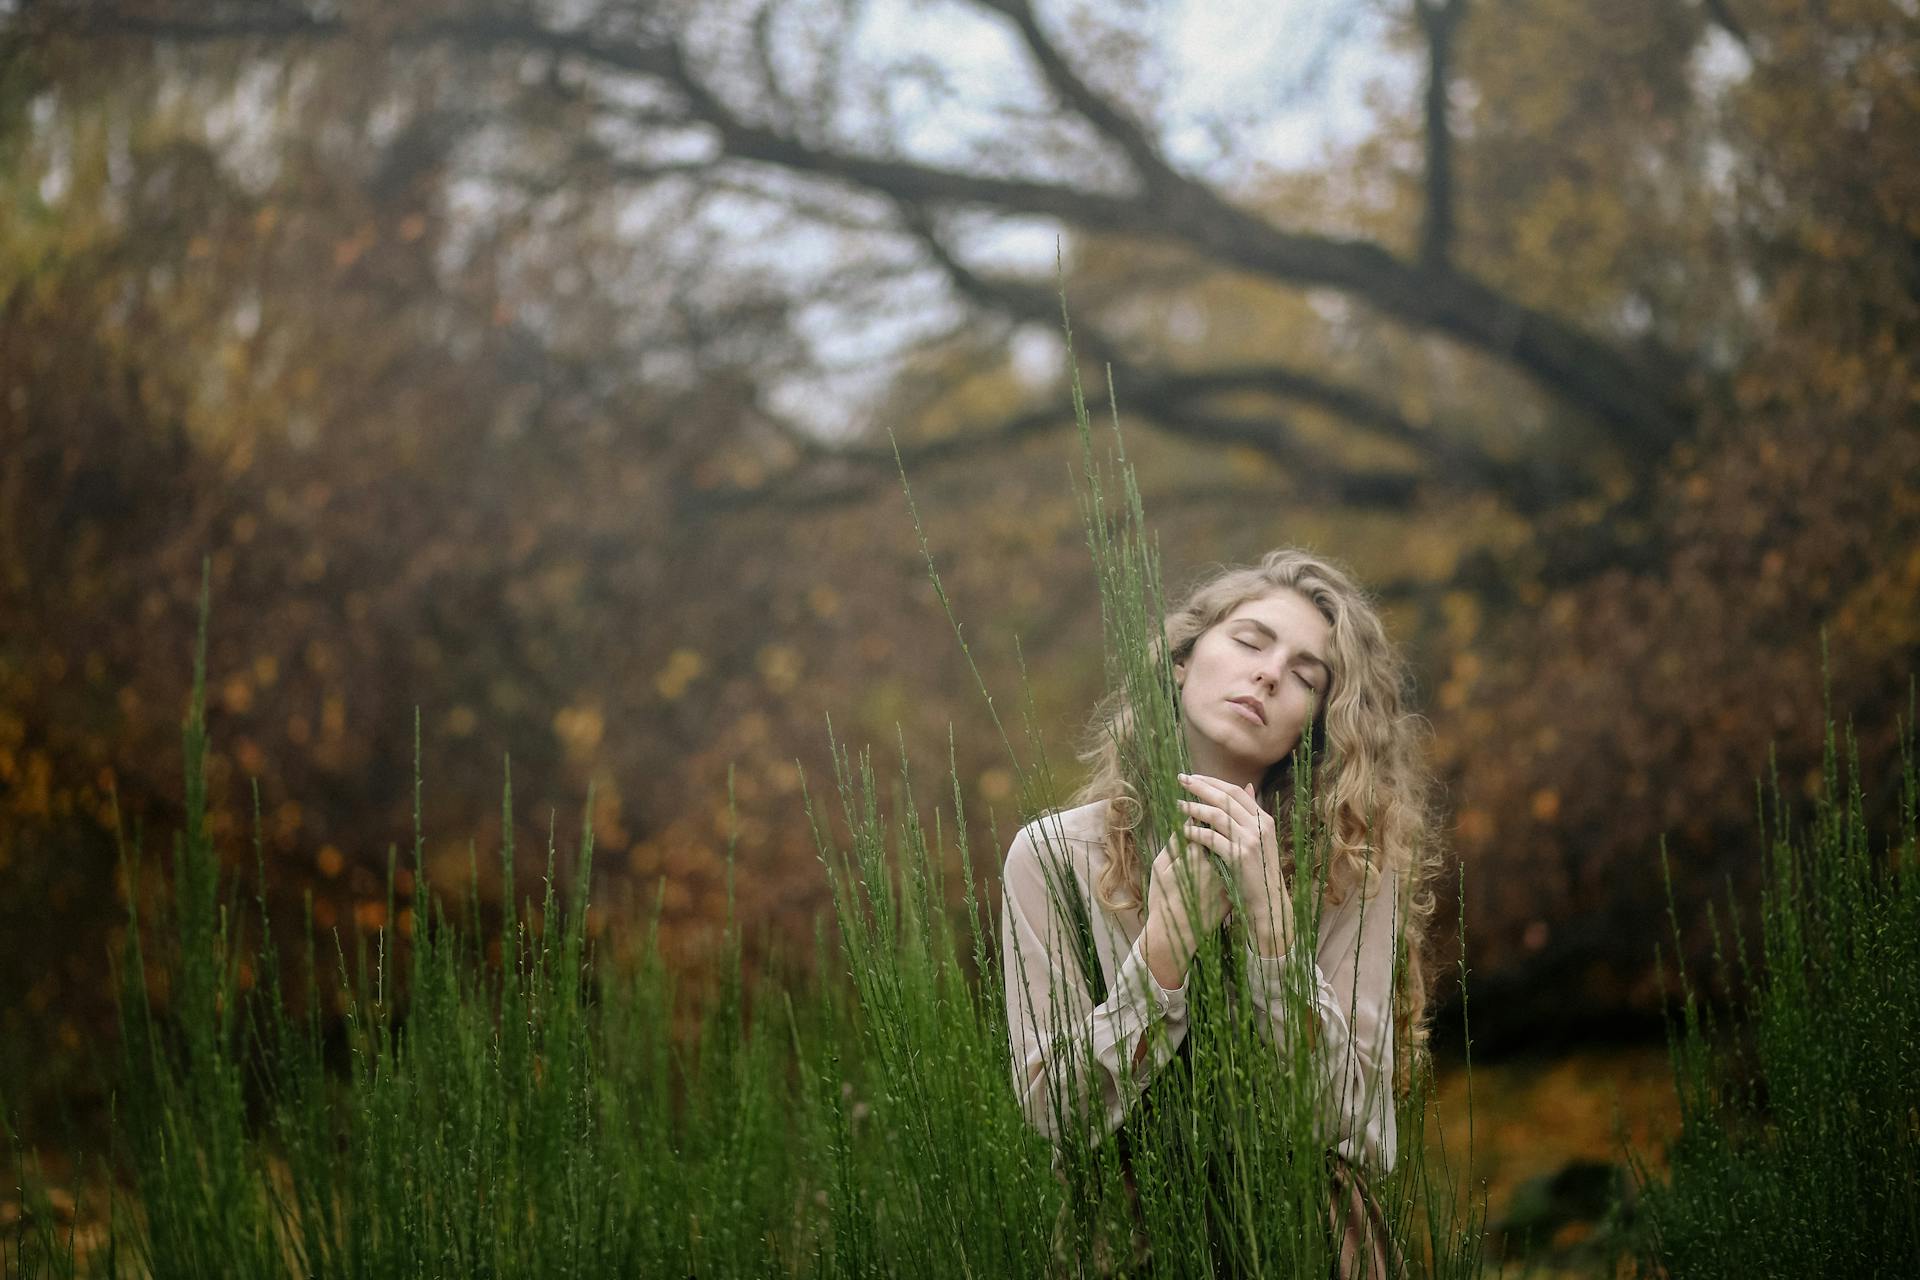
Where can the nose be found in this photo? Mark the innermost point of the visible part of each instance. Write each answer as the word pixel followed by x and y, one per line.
pixel 1273 671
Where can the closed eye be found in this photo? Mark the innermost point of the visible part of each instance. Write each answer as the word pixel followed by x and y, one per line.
pixel 1303 680
pixel 1244 645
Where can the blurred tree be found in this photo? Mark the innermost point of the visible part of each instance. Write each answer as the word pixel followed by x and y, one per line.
pixel 533 363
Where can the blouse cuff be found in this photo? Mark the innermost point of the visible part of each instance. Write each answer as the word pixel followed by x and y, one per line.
pixel 1128 1020
pixel 1136 976
pixel 1266 976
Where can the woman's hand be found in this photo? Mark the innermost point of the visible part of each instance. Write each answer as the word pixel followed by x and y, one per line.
pixel 1229 821
pixel 1187 918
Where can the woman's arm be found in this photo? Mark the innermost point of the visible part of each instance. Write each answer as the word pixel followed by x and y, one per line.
pixel 1351 989
pixel 1063 1045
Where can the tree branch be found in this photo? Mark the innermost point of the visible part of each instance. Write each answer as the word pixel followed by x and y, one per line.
pixel 1112 122
pixel 1175 390
pixel 479 33
pixel 829 476
pixel 1645 409
pixel 1439 18
pixel 1723 16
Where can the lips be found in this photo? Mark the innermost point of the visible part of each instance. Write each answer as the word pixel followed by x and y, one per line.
pixel 1252 706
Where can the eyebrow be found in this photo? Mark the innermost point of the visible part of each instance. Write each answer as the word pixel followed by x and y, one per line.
pixel 1271 634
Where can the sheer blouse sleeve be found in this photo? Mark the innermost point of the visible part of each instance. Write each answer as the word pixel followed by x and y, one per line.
pixel 1061 1044
pixel 1351 988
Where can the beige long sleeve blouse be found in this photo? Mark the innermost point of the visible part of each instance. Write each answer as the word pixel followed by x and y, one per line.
pixel 1051 1018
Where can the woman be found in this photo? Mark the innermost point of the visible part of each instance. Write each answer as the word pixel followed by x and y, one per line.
pixel 1095 966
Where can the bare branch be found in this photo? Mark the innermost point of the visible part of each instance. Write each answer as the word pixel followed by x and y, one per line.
pixel 1440 19
pixel 1636 398
pixel 480 33
pixel 1080 97
pixel 1177 391
pixel 832 477
pixel 1644 411
pixel 1723 16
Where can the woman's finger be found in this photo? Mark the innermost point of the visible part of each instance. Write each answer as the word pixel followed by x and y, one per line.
pixel 1219 818
pixel 1240 828
pixel 1207 837
pixel 1220 799
pixel 1223 794
pixel 1264 829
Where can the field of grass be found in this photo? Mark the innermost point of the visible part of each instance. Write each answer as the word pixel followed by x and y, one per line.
pixel 535 1116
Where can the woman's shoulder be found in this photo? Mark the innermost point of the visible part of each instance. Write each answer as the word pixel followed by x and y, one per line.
pixel 1062 842
pixel 1078 832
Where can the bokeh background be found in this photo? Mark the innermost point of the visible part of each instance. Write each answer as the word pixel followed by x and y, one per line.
pixel 532 363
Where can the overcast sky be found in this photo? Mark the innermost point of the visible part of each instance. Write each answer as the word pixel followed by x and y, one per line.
pixel 1299 69
pixel 1286 77
pixel 1246 87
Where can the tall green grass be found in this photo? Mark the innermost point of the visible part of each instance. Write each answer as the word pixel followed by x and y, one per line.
pixel 530 1119
pixel 1228 1176
pixel 538 1117
pixel 1799 1147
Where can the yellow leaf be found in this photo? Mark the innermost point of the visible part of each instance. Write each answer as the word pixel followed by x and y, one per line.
pixel 580 730
pixel 779 666
pixel 684 666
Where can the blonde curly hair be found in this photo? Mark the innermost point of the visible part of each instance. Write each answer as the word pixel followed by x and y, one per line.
pixel 1373 792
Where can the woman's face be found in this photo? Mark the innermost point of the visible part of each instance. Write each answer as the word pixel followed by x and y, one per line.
pixel 1252 684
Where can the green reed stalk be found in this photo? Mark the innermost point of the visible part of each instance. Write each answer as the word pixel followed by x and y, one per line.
pixel 530 1119
pixel 536 1115
pixel 1218 1175
pixel 1799 1152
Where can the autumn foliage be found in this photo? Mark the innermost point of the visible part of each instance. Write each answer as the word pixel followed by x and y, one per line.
pixel 371 312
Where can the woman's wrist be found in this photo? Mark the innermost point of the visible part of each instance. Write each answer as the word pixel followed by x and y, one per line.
pixel 1167 955
pixel 1272 936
